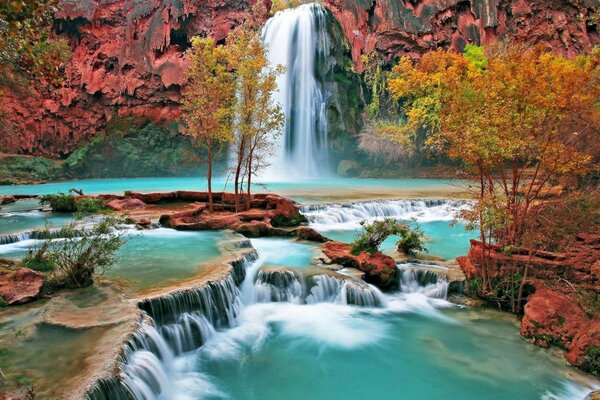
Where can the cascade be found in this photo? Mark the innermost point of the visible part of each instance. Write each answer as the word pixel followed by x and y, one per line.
pixel 277 286
pixel 420 280
pixel 297 38
pixel 349 215
pixel 329 289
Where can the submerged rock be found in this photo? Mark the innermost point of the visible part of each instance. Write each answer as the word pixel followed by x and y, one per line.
pixel 21 286
pixel 379 269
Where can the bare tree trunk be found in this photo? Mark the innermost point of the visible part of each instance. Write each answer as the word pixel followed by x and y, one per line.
pixel 525 274
pixel 248 193
pixel 209 178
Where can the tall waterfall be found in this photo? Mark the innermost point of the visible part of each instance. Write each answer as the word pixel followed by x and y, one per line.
pixel 297 38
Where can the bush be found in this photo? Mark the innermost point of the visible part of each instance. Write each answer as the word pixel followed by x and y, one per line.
pixel 74 259
pixel 16 170
pixel 59 202
pixel 374 234
pixel 69 203
pixel 412 241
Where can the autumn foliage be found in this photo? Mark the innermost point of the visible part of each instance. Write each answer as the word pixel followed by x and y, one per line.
pixel 518 118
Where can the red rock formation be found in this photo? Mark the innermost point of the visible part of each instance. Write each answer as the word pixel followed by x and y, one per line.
pixel 125 204
pixel 269 214
pixel 401 27
pixel 379 269
pixel 556 313
pixel 20 286
pixel 128 55
pixel 127 59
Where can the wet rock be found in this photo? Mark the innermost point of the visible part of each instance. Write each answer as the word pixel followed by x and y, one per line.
pixel 126 204
pixel 21 286
pixel 379 269
pixel 306 233
pixel 7 199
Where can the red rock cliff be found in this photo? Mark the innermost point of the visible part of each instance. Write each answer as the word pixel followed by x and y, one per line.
pixel 127 59
pixel 128 54
pixel 411 27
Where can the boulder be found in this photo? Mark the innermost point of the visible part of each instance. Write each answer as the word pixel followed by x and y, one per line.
pixel 306 233
pixel 126 204
pixel 7 199
pixel 379 269
pixel 21 286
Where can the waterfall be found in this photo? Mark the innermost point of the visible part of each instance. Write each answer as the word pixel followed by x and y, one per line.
pixel 422 279
pixel 329 289
pixel 297 38
pixel 277 286
pixel 349 215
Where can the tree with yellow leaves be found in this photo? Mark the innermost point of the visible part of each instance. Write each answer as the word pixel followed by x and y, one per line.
pixel 209 100
pixel 259 120
pixel 515 115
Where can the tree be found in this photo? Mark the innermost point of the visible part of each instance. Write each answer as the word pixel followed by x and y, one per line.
pixel 28 49
pixel 514 116
pixel 209 99
pixel 258 118
pixel 376 232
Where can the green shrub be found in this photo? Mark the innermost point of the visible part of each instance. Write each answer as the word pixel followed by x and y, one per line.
pixel 69 203
pixel 411 241
pixel 39 258
pixel 61 202
pixel 591 361
pixel 22 170
pixel 73 260
pixel 374 234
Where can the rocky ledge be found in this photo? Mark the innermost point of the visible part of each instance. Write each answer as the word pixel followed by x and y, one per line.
pixel 379 269
pixel 563 309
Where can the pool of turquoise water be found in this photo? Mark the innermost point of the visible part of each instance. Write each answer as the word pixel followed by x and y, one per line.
pixel 304 190
pixel 415 351
pixel 155 258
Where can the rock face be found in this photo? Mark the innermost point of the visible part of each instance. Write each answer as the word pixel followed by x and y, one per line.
pixel 379 268
pixel 563 309
pixel 395 28
pixel 128 55
pixel 21 286
pixel 127 60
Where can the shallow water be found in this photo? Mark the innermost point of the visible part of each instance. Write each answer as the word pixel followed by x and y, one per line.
pixel 414 347
pixel 306 191
pixel 18 221
pixel 152 258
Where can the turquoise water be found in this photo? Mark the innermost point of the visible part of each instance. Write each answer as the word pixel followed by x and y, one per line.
pixel 154 258
pixel 412 350
pixel 24 221
pixel 284 252
pixel 303 190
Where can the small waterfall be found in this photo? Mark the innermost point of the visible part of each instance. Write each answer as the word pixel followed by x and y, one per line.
pixel 14 238
pixel 329 289
pixel 298 39
pixel 277 286
pixel 425 281
pixel 349 215
pixel 38 235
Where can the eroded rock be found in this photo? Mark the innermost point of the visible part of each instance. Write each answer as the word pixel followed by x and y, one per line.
pixel 20 286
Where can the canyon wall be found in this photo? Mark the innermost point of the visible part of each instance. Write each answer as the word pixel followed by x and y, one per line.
pixel 412 27
pixel 128 55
